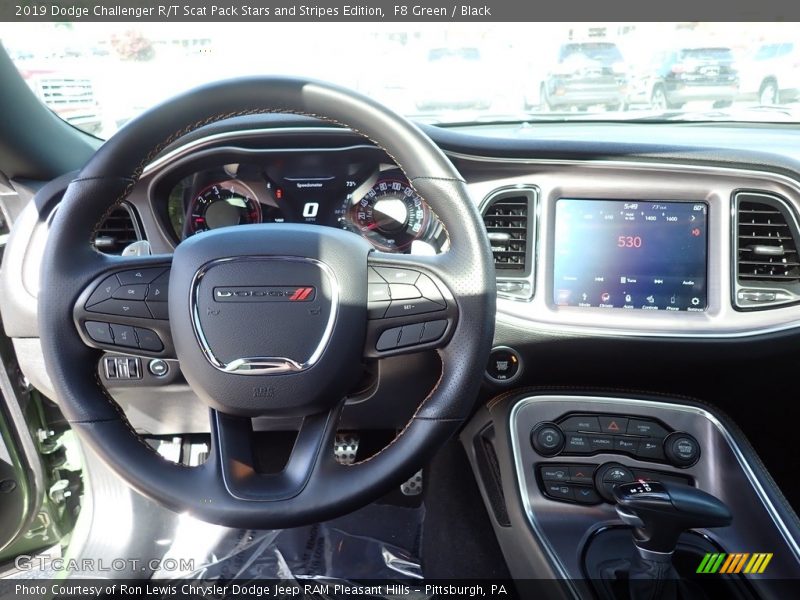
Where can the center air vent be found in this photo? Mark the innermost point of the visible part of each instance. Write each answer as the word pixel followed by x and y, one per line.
pixel 767 262
pixel 508 215
pixel 119 230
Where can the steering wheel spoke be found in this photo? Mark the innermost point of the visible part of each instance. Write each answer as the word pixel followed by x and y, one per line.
pixel 410 308
pixel 124 307
pixel 234 443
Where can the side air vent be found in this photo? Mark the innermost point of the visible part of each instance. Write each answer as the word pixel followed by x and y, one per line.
pixel 767 262
pixel 119 230
pixel 509 217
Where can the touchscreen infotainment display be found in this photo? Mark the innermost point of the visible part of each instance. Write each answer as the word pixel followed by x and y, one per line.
pixel 645 255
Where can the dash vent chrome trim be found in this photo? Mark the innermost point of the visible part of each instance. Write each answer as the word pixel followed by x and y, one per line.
pixel 765 241
pixel 510 217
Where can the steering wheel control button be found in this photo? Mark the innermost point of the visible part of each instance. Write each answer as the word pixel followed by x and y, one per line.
pixel 158 367
pixel 429 290
pixel 401 291
pixel 547 439
pixel 374 277
pixel 579 423
pixel 139 276
pixel 646 428
pixel 157 292
pixel 388 339
pixel 99 332
pixel 613 424
pixel 149 340
pixel 122 308
pixel 159 310
pixel 560 491
pixel 410 335
pixel 650 449
pixel 130 292
pixel 122 367
pixel 377 310
pixel 378 292
pixel 504 366
pixel 393 275
pixel 682 449
pixel 433 331
pixel 104 291
pixel 124 335
pixel 404 308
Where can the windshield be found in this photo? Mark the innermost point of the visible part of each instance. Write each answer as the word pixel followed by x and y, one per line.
pixel 599 51
pixel 98 76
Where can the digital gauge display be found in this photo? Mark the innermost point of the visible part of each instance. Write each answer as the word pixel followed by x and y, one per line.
pixel 636 255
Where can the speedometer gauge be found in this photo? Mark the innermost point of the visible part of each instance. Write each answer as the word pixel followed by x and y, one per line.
pixel 221 205
pixel 391 215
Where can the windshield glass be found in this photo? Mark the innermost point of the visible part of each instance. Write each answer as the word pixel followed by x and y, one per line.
pixel 98 76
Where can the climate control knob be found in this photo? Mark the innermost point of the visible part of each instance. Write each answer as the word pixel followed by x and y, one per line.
pixel 610 475
pixel 682 450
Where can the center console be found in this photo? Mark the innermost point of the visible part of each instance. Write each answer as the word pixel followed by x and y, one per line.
pixel 552 465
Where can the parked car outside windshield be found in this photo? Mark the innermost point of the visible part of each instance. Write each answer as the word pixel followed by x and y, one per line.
pixel 432 72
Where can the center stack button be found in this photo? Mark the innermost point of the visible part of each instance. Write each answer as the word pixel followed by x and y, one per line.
pixel 547 439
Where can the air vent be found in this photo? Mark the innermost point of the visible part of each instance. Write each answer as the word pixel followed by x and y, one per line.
pixel 118 231
pixel 767 248
pixel 506 223
pixel 509 217
pixel 767 261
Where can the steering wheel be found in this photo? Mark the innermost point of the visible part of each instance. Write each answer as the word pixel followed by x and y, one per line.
pixel 267 319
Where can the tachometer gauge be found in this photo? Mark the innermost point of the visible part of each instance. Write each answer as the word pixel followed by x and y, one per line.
pixel 391 215
pixel 221 205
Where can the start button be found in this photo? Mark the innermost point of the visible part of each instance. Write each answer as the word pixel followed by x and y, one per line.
pixel 505 365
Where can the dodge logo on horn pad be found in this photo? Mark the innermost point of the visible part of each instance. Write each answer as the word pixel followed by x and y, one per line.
pixel 265 293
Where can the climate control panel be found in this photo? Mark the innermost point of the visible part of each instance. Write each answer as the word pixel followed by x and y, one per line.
pixel 592 483
pixel 589 434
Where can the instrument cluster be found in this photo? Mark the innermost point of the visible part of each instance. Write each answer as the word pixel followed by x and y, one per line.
pixel 372 199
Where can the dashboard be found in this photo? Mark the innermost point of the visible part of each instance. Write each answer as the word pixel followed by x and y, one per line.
pixel 605 261
pixel 642 249
pixel 349 188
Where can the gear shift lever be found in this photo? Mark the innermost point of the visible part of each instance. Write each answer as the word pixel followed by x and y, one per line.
pixel 660 512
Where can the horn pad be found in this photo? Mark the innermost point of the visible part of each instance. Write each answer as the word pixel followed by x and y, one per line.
pixel 263 332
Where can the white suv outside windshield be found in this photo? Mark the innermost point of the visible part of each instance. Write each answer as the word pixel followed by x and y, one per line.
pixel 98 76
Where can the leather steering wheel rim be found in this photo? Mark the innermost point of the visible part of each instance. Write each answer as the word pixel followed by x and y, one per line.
pixel 70 263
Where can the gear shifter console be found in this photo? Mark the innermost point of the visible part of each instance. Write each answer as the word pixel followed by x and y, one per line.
pixel 659 512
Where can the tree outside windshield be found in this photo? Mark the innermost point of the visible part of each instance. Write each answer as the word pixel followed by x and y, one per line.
pixel 98 76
